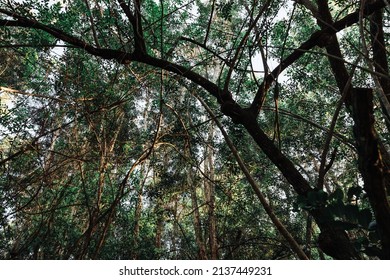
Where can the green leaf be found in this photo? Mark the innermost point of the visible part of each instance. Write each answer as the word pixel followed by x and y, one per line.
pixel 225 9
pixel 351 213
pixel 337 195
pixel 322 196
pixel 336 209
pixel 365 217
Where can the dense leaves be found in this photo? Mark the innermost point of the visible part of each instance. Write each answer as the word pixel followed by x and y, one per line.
pixel 194 129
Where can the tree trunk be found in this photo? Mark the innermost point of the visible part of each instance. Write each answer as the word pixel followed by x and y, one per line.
pixel 159 225
pixel 370 163
pixel 137 218
pixel 210 194
pixel 381 66
pixel 197 221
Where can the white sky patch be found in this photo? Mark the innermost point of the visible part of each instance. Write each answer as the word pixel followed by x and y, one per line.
pixel 257 60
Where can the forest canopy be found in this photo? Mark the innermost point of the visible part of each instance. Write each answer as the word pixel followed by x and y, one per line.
pixel 194 129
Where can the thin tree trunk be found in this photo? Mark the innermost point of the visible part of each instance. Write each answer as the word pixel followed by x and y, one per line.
pixel 309 235
pixel 159 225
pixel 197 221
pixel 278 224
pixel 210 195
pixel 175 228
pixel 137 218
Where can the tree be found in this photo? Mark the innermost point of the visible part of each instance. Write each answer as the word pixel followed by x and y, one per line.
pixel 323 141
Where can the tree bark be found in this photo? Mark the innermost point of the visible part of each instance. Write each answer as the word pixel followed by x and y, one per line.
pixel 209 189
pixel 381 66
pixel 197 221
pixel 370 163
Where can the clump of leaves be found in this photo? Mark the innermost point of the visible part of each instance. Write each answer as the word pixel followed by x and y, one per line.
pixel 346 212
pixel 225 8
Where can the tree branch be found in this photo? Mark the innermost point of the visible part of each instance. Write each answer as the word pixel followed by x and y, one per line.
pixel 256 188
pixel 95 37
pixel 135 20
pixel 318 38
pixel 61 35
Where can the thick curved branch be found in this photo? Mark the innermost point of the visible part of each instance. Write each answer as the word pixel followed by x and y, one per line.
pixel 209 86
pixel 315 40
pixel 120 56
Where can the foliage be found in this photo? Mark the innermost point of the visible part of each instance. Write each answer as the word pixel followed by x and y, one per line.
pixel 111 148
